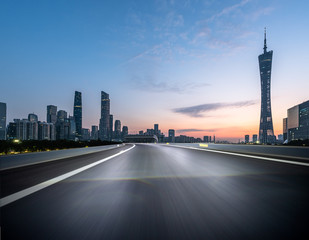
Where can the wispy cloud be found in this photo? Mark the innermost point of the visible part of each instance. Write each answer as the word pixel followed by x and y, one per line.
pixel 195 130
pixel 195 111
pixel 261 12
pixel 228 10
pixel 149 83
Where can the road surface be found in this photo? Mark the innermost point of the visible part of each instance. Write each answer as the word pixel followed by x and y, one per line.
pixel 158 192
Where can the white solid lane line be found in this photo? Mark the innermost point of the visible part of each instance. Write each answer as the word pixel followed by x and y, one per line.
pixel 13 197
pixel 245 155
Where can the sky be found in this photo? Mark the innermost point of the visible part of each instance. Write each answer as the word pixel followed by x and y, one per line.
pixel 187 65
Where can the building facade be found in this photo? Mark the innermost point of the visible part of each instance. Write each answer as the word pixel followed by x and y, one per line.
pixel 125 132
pixel 104 128
pixel 77 113
pixel 254 138
pixel 94 132
pixel 51 114
pixel 2 121
pixel 247 139
pixel 298 122
pixel 285 129
pixel 117 132
pixel 266 131
pixel 171 135
pixel 111 131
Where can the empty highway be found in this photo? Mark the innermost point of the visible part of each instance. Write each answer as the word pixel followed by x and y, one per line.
pixel 151 191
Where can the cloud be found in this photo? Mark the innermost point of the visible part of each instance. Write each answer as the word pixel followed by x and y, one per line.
pixel 149 83
pixel 261 12
pixel 195 111
pixel 195 130
pixel 228 10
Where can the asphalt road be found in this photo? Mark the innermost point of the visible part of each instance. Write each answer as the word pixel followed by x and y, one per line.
pixel 164 192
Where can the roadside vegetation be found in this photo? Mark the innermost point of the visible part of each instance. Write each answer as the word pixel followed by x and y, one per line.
pixel 17 146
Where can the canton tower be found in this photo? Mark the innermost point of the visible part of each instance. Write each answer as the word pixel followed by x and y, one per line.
pixel 266 133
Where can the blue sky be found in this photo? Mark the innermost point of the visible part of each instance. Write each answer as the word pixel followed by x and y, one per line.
pixel 155 58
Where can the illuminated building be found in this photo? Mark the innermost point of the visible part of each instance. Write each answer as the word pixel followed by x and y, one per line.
pixel 254 138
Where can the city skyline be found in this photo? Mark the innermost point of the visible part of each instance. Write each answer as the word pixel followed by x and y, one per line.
pixel 163 65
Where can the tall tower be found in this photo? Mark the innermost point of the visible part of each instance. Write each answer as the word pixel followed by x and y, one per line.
pixel 266 133
pixel 104 127
pixel 77 113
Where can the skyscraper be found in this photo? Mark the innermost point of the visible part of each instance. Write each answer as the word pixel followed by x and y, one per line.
pixel 254 138
pixel 156 129
pixel 246 138
pixel 266 133
pixel 77 113
pixel 171 135
pixel 125 132
pixel 51 114
pixel 32 117
pixel 94 132
pixel 2 121
pixel 104 127
pixel 117 130
pixel 298 122
pixel 111 120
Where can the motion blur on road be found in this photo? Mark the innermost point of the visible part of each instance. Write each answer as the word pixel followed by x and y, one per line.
pixel 159 192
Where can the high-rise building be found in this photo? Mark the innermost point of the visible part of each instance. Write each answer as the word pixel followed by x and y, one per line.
pixel 85 134
pixel 21 129
pixel 104 127
pixel 72 128
pixel 254 138
pixel 111 120
pixel 125 132
pixel 171 135
pixel 2 121
pixel 141 132
pixel 62 125
pixel 32 130
pixel 51 114
pixel 45 131
pixel 285 129
pixel 246 138
pixel 266 133
pixel 298 122
pixel 78 113
pixel 61 115
pixel 32 117
pixel 94 132
pixel 117 131
pixel 156 129
pixel 12 130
